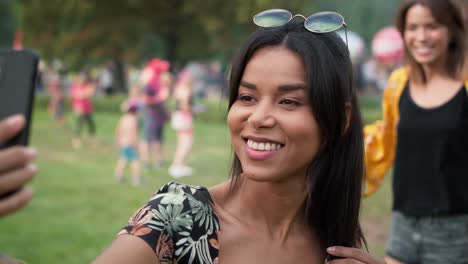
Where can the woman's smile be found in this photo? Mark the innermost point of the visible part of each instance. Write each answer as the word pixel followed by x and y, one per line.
pixel 260 149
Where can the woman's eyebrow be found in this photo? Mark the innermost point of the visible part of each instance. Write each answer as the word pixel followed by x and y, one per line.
pixel 291 87
pixel 281 88
pixel 248 85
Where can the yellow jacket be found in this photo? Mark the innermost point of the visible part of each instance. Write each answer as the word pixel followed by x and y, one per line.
pixel 380 137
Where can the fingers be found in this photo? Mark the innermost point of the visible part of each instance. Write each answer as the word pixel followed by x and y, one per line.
pixel 16 168
pixel 352 255
pixel 15 157
pixel 10 127
pixel 345 261
pixel 14 180
pixel 15 201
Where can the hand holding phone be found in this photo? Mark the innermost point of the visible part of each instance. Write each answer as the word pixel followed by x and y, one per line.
pixel 16 167
pixel 18 70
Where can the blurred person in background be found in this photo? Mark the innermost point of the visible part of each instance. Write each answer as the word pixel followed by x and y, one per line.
pixel 82 91
pixel 127 141
pixel 182 123
pixel 105 81
pixel 295 188
pixel 16 170
pixel 53 83
pixel 423 134
pixel 374 74
pixel 156 80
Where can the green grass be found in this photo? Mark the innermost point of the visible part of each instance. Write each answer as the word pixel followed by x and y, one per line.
pixel 78 209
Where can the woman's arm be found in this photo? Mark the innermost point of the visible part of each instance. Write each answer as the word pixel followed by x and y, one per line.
pixel 380 137
pixel 127 249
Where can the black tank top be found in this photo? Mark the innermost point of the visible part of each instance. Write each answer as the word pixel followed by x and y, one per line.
pixel 431 164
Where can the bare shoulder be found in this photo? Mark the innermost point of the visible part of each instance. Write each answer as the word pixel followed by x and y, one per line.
pixel 127 249
pixel 219 192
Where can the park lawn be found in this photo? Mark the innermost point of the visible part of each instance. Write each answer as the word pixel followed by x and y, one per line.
pixel 78 209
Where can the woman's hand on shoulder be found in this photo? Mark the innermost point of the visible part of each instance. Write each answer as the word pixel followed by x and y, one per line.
pixel 352 255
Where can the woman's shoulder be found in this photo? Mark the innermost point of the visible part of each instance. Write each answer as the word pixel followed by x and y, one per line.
pixel 180 188
pixel 187 200
pixel 190 197
pixel 177 222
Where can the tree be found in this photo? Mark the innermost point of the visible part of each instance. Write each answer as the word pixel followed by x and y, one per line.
pixel 82 32
pixel 86 31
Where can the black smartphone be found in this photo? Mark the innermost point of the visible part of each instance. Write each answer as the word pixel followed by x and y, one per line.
pixel 18 70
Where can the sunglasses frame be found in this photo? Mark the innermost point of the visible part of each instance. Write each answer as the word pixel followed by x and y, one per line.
pixel 291 17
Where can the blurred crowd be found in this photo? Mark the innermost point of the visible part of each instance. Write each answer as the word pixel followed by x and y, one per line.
pixel 145 111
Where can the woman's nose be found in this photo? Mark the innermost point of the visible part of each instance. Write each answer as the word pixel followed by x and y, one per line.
pixel 421 34
pixel 262 116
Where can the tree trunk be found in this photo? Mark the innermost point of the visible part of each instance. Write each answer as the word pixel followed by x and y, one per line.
pixel 172 43
pixel 120 80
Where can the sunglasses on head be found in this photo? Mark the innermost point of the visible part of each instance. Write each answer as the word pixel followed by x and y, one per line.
pixel 321 22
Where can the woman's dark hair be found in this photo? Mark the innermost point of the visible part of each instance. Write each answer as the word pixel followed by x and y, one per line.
pixel 447 14
pixel 334 178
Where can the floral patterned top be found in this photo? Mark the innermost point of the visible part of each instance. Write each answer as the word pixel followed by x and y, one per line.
pixel 179 224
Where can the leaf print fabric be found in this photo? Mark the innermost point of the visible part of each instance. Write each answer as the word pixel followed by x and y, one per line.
pixel 179 224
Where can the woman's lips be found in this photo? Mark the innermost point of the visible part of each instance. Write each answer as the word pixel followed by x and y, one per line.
pixel 262 150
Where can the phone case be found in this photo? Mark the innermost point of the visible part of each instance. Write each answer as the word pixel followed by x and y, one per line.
pixel 18 69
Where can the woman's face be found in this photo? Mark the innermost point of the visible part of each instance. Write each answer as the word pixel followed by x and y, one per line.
pixel 426 39
pixel 273 130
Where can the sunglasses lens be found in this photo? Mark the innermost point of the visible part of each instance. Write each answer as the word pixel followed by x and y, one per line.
pixel 272 18
pixel 324 22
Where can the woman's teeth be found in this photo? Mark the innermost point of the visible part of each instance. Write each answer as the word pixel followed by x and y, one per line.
pixel 263 146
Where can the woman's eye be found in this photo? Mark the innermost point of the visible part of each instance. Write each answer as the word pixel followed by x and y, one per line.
pixel 245 98
pixel 289 102
pixel 433 26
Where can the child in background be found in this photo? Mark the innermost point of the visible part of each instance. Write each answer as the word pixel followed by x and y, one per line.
pixel 127 140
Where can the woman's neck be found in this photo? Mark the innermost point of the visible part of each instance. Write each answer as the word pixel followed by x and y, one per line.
pixel 274 208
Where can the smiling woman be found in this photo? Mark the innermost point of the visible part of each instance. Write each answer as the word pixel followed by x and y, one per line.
pixel 295 188
pixel 423 134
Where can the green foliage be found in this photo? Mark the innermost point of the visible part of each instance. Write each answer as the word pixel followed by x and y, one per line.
pixel 83 31
pixel 86 32
pixel 364 17
pixel 80 30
